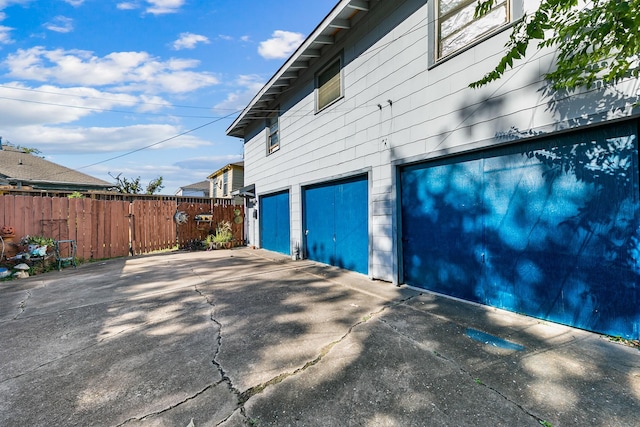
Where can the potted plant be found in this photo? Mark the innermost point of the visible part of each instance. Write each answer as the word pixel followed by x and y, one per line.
pixel 224 235
pixel 209 242
pixel 37 245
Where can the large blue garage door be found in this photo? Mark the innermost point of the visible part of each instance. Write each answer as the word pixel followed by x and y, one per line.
pixel 549 229
pixel 275 229
pixel 336 224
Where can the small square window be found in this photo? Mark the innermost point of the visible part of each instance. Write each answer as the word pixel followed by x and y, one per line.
pixel 458 28
pixel 328 85
pixel 273 137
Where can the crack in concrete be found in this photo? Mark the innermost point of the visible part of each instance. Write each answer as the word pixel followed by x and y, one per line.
pixel 245 396
pixel 182 402
pixel 22 305
pixel 252 391
pixel 224 377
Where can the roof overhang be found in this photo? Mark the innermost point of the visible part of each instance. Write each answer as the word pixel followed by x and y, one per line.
pixel 339 19
pixel 226 167
pixel 248 192
pixel 61 184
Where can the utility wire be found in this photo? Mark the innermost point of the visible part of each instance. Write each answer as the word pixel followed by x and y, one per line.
pixel 160 142
pixel 105 110
pixel 70 95
pixel 419 25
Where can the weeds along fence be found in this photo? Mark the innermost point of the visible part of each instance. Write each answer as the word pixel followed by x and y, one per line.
pixel 108 226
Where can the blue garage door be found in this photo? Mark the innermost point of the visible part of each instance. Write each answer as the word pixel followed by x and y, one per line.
pixel 549 229
pixel 275 229
pixel 336 224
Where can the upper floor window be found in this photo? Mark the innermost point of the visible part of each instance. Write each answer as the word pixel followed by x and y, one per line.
pixel 457 27
pixel 273 137
pixel 225 183
pixel 328 85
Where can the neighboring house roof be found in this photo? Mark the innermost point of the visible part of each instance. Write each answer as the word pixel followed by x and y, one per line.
pixel 202 186
pixel 196 189
pixel 339 19
pixel 21 168
pixel 226 167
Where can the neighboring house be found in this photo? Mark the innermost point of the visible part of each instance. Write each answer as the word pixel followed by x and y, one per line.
pixel 21 170
pixel 199 189
pixel 226 180
pixel 368 151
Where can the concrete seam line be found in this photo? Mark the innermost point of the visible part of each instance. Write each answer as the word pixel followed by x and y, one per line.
pixel 335 282
pixel 463 370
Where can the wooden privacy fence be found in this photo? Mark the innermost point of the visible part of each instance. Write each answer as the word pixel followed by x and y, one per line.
pixel 115 228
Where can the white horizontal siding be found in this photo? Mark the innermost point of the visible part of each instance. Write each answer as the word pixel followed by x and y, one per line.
pixel 433 113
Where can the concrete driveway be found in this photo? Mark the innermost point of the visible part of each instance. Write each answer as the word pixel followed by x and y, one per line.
pixel 249 338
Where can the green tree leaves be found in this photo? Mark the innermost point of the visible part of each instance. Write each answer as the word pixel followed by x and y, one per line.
pixel 133 186
pixel 596 43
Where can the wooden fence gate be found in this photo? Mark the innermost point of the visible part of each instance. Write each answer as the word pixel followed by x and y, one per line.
pixel 114 228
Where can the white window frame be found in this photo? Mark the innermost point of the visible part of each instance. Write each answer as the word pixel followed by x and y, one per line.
pixel 215 187
pixel 273 132
pixel 319 88
pixel 514 11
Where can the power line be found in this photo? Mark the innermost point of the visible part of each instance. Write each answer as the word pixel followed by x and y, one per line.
pixel 160 142
pixel 105 99
pixel 104 110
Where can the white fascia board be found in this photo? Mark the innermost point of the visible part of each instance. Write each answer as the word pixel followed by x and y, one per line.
pixel 297 57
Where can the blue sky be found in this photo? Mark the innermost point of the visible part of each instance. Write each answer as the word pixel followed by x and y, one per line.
pixel 116 87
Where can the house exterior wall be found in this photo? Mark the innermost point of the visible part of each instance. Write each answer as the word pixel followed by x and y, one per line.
pixel 399 108
pixel 235 180
pixel 191 193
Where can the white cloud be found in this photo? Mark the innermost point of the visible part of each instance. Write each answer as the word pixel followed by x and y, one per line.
pixel 92 140
pixel 5 37
pixel 74 3
pixel 6 3
pixel 189 41
pixel 44 117
pixel 50 105
pixel 60 24
pixel 127 5
pixel 280 45
pixel 228 38
pixel 126 71
pixel 151 104
pixel 154 7
pixel 161 7
pixel 247 87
